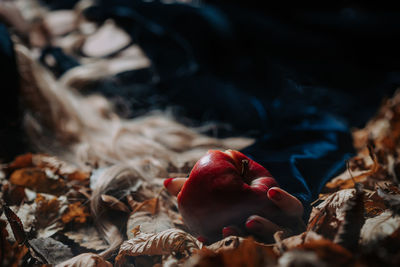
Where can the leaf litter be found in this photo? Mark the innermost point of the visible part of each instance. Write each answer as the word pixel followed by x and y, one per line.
pixel 46 217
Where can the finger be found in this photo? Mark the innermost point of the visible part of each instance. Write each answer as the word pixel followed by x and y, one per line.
pixel 231 230
pixel 261 227
pixel 289 204
pixel 174 185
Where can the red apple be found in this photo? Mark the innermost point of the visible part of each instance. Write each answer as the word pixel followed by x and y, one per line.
pixel 223 189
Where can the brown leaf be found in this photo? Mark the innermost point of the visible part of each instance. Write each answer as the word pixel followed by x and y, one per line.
pixel 23 161
pixel 349 230
pixel 335 202
pixel 297 240
pixel 78 176
pixel 16 225
pixel 48 213
pixel 114 203
pixel 61 168
pixel 248 253
pixel 13 194
pixel 15 256
pixel 328 251
pixel 5 246
pixel 150 205
pixel 164 243
pixel 87 260
pixel 392 200
pixel 374 205
pixel 227 243
pixel 37 180
pixel 76 212
pixel 350 180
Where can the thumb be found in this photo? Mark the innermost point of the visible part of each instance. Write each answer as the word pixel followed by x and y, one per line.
pixel 174 185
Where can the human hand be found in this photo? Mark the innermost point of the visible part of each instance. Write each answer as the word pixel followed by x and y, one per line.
pixel 287 219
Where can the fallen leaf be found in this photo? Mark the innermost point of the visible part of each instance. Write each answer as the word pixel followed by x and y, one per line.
pixel 108 39
pixel 48 214
pixel 329 252
pixel 86 260
pixel 392 200
pixel 113 203
pixel 171 241
pixel 5 246
pixel 379 227
pixel 50 250
pixel 76 212
pixel 36 179
pixel 227 243
pixel 297 240
pixel 374 205
pixel 23 161
pixel 349 230
pixel 150 205
pixel 300 258
pixel 87 237
pixel 61 168
pixel 13 194
pixel 248 253
pixel 16 225
pixel 148 223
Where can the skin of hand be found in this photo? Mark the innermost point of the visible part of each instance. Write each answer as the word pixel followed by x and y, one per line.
pixel 262 228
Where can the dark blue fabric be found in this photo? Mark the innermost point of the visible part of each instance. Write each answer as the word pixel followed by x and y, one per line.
pixel 12 140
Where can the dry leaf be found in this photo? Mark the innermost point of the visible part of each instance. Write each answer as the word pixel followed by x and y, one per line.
pixel 349 230
pixel 11 253
pixel 23 161
pixel 107 40
pixel 60 22
pixel 171 241
pixel 87 237
pixel 36 179
pixel 150 206
pixel 297 240
pixel 377 228
pixel 392 200
pixel 248 253
pixel 16 225
pixel 13 194
pixel 61 168
pixel 48 213
pixel 374 205
pixel 50 250
pixel 115 204
pixel 328 251
pixel 148 223
pixel 300 258
pixel 227 243
pixel 85 260
pixel 76 212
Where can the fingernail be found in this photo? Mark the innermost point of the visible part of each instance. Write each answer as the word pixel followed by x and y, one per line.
pixel 274 194
pixel 167 182
pixel 228 231
pixel 202 239
pixel 254 225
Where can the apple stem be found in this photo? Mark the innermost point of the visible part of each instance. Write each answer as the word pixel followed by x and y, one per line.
pixel 245 166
